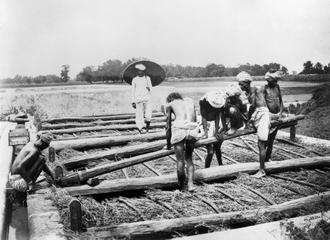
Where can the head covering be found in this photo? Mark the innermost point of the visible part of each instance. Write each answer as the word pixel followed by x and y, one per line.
pixel 140 67
pixel 276 75
pixel 233 90
pixel 46 137
pixel 244 77
pixel 216 99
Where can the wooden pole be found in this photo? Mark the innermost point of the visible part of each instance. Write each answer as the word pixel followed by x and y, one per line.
pixel 121 127
pixel 94 118
pixel 293 133
pixel 243 218
pixel 80 144
pixel 219 173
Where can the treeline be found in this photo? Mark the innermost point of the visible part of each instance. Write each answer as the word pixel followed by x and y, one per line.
pixel 24 80
pixel 317 68
pixel 111 70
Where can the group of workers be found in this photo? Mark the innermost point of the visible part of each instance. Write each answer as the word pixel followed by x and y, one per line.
pixel 237 107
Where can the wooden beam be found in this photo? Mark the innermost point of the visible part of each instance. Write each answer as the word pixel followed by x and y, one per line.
pixel 228 195
pixel 151 169
pixel 269 201
pixel 164 205
pixel 299 145
pixel 121 127
pixel 248 217
pixel 126 151
pixel 96 123
pixel 94 118
pixel 75 215
pixel 219 173
pixel 319 188
pixel 106 141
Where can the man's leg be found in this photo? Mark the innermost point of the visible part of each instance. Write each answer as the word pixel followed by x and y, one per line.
pixel 271 139
pixel 209 155
pixel 148 114
pixel 139 116
pixel 262 155
pixel 190 144
pixel 217 148
pixel 179 153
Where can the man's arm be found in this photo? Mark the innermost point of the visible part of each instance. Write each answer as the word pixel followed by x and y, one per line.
pixel 21 167
pixel 281 101
pixel 149 85
pixel 168 126
pixel 252 100
pixel 48 171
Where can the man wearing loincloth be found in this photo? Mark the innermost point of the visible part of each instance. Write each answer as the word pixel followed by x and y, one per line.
pixel 182 133
pixel 141 96
pixel 275 105
pixel 258 115
pixel 216 105
pixel 29 163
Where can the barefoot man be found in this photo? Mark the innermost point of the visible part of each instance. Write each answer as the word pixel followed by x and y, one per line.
pixel 259 116
pixel 274 104
pixel 216 105
pixel 141 96
pixel 29 163
pixel 182 133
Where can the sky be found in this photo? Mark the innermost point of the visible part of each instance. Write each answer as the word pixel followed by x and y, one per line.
pixel 37 37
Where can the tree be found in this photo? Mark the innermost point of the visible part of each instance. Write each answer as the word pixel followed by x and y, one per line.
pixel 284 70
pixel 318 68
pixel 308 68
pixel 327 68
pixel 65 73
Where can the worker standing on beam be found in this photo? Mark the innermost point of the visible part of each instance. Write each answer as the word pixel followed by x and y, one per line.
pixel 141 96
pixel 183 132
pixel 258 115
pixel 275 105
pixel 220 105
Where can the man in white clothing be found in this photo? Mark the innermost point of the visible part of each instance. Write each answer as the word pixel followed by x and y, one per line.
pixel 141 95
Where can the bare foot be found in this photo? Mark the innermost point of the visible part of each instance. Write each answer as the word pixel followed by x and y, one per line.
pixel 259 174
pixel 191 188
pixel 231 131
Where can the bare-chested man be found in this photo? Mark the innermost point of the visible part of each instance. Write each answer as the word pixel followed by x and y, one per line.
pixel 29 163
pixel 274 103
pixel 216 105
pixel 259 116
pixel 182 133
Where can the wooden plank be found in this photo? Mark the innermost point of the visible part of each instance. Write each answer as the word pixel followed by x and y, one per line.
pixel 218 173
pixel 247 217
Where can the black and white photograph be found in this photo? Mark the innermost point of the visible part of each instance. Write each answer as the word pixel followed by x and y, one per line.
pixel 165 119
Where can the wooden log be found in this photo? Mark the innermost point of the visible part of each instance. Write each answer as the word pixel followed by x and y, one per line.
pixel 126 151
pixel 269 201
pixel 228 195
pixel 293 133
pixel 229 158
pixel 91 173
pixel 299 145
pixel 97 123
pixel 121 127
pixel 106 141
pixel 248 217
pixel 152 169
pixel 165 205
pixel 218 173
pixel 319 188
pixel 208 202
pixel 94 118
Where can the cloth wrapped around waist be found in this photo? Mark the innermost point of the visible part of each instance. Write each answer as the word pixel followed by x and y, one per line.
pixel 184 129
pixel 17 182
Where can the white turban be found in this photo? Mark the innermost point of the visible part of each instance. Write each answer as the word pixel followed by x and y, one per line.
pixel 275 75
pixel 140 67
pixel 233 90
pixel 216 99
pixel 244 77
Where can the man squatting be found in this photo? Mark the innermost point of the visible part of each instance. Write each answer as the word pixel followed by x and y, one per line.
pixel 182 133
pixel 266 103
pixel 29 163
pixel 216 105
pixel 141 95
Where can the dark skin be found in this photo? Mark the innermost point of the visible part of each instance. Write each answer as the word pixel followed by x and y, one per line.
pixel 257 99
pixel 29 163
pixel 182 110
pixel 275 105
pixel 213 114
